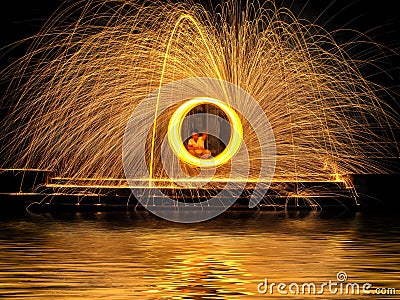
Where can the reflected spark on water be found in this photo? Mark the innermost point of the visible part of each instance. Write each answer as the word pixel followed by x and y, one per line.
pixel 122 256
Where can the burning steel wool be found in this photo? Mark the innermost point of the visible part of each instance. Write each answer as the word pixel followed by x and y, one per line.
pixel 71 96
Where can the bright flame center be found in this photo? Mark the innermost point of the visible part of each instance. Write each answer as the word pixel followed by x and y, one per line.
pixel 175 138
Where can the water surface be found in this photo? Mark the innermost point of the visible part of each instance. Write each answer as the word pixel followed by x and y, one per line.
pixel 138 256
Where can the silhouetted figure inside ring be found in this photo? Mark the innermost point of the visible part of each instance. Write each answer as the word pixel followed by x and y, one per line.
pixel 196 146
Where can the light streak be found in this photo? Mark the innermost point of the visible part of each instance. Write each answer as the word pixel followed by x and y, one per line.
pixel 71 96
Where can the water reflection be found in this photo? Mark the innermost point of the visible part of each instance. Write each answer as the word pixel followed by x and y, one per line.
pixel 140 256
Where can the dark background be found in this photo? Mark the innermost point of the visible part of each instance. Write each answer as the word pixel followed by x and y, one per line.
pixel 378 19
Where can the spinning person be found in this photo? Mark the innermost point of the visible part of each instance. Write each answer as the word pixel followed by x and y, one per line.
pixel 196 145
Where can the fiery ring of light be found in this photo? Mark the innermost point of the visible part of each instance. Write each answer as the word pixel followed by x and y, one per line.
pixel 175 138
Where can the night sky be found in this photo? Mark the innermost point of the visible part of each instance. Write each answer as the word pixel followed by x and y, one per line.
pixel 381 19
pixel 378 19
pixel 22 18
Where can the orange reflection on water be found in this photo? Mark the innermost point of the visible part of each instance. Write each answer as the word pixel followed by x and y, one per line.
pixel 138 256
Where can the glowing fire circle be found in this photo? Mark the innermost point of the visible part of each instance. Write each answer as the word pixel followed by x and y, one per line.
pixel 149 171
pixel 175 137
